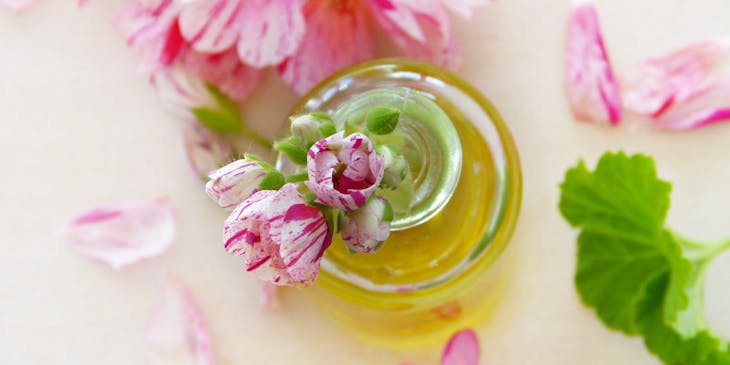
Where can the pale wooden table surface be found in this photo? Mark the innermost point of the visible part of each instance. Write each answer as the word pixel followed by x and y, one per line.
pixel 79 126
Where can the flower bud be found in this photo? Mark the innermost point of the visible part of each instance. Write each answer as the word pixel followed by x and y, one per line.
pixel 233 183
pixel 310 128
pixel 396 167
pixel 365 229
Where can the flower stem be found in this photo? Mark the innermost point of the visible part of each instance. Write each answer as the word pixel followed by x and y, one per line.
pixel 298 177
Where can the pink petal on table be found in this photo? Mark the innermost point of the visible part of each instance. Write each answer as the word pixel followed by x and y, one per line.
pixel 420 28
pixel 592 90
pixel 211 26
pixel 17 5
pixel 652 86
pixel 177 333
pixel 705 106
pixel 205 151
pixel 462 349
pixel 268 297
pixel 271 30
pixel 465 7
pixel 124 233
pixel 337 36
pixel 225 71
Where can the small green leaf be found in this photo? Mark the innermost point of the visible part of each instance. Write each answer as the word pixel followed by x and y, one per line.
pixel 327 128
pixel 274 180
pixel 387 212
pixel 217 120
pixel 293 150
pixel 401 198
pixel 382 120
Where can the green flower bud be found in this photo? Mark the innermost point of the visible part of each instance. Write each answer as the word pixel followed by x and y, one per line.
pixel 310 128
pixel 396 167
pixel 293 150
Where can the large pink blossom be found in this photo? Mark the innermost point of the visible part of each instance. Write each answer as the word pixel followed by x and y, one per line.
pixel 344 171
pixel 306 39
pixel 280 238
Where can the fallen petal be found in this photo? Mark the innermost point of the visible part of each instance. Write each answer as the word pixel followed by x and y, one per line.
pixel 268 297
pixel 653 86
pixel 177 333
pixel 124 233
pixel 205 150
pixel 337 36
pixel 462 349
pixel 17 5
pixel 592 90
pixel 707 105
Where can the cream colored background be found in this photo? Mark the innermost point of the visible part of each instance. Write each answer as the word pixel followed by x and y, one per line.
pixel 79 126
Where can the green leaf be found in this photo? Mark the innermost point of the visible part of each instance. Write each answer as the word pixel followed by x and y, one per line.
pixel 274 180
pixel 382 120
pixel 401 198
pixel 293 150
pixel 217 120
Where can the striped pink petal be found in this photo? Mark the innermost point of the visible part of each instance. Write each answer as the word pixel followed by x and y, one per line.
pixel 348 188
pixel 177 332
pixel 231 184
pixel 653 86
pixel 420 28
pixel 593 94
pixel 204 149
pixel 280 238
pixel 465 7
pixel 271 30
pixel 150 28
pixel 225 71
pixel 17 5
pixel 124 233
pixel 707 105
pixel 211 26
pixel 337 36
pixel 462 349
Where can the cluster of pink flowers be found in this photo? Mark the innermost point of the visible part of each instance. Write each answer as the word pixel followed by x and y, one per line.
pixel 229 42
pixel 682 89
pixel 280 232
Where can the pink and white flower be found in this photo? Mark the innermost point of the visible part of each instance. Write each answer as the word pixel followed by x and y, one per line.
pixel 344 171
pixel 124 233
pixel 280 238
pixel 364 230
pixel 233 183
pixel 593 93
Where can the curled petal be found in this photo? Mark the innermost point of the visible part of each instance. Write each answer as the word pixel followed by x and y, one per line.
pixel 233 183
pixel 464 7
pixel 420 28
pixel 271 30
pixel 268 297
pixel 707 105
pixel 592 90
pixel 348 188
pixel 651 87
pixel 211 26
pixel 280 238
pixel 225 71
pixel 180 92
pixel 124 233
pixel 337 36
pixel 205 150
pixel 150 28
pixel 462 349
pixel 177 333
pixel 17 5
pixel 365 229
